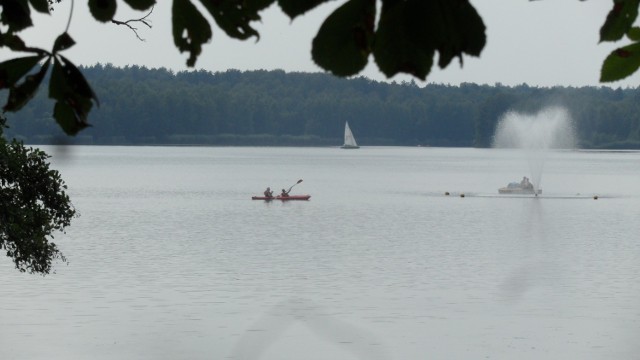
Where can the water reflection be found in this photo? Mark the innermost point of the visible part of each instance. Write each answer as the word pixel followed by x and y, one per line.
pixel 325 325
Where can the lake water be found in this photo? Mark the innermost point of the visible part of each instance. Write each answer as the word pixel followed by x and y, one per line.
pixel 171 259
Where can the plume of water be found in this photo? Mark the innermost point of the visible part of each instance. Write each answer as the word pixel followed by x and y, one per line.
pixel 535 135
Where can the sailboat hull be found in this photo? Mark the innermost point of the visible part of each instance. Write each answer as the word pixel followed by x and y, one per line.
pixel 349 147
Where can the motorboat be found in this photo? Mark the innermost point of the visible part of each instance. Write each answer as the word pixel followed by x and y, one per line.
pixel 518 189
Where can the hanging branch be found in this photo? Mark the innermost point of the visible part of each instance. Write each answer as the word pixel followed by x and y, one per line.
pixel 134 29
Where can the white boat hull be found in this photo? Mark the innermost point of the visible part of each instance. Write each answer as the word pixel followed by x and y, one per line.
pixel 519 191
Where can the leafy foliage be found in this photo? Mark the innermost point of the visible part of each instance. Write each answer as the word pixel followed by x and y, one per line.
pixel 68 86
pixel 623 61
pixel 409 34
pixel 33 205
pixel 619 20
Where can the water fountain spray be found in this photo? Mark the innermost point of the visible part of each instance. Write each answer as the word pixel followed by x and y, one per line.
pixel 535 135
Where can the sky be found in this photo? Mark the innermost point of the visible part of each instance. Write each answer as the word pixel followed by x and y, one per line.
pixel 541 43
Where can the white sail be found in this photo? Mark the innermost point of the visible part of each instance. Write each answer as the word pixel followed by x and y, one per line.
pixel 349 140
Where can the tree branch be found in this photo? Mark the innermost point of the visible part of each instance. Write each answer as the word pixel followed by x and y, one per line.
pixel 128 23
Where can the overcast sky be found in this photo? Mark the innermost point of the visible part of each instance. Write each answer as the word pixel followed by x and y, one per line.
pixel 540 43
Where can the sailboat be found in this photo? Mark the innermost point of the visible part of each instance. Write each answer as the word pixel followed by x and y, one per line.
pixel 349 140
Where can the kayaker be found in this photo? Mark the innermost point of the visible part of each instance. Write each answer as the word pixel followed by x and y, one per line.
pixel 284 193
pixel 268 193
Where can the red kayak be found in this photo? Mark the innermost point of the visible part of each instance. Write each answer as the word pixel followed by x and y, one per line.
pixel 283 198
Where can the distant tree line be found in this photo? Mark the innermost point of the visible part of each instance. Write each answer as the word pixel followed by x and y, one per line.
pixel 141 106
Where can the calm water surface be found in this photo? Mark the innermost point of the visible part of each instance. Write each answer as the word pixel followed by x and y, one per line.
pixel 170 259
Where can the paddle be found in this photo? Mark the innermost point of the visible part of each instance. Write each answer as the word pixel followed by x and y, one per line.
pixel 299 181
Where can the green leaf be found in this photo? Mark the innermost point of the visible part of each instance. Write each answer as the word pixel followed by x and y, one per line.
pixel 634 34
pixel 619 20
pixel 63 42
pixel 190 29
pixel 103 10
pixel 294 8
pixel 621 63
pixel 16 15
pixel 343 43
pixel 140 4
pixel 13 70
pixel 21 94
pixel 234 17
pixel 73 96
pixel 40 5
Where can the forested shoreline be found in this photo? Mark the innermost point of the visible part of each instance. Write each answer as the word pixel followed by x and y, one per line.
pixel 141 106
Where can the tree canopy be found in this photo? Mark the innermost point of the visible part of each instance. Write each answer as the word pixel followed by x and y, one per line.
pixel 405 39
pixel 144 106
pixel 33 205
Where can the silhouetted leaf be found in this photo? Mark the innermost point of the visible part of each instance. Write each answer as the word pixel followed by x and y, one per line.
pixel 63 42
pixel 398 47
pixel 258 5
pixel 13 70
pixel 16 15
pixel 619 20
pixel 234 17
pixel 410 32
pixel 140 4
pixel 67 117
pixel 40 5
pixel 12 41
pixel 343 43
pixel 21 94
pixel 464 29
pixel 73 96
pixel 621 63
pixel 103 10
pixel 295 8
pixel 15 43
pixel 470 27
pixel 190 29
pixel 76 81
